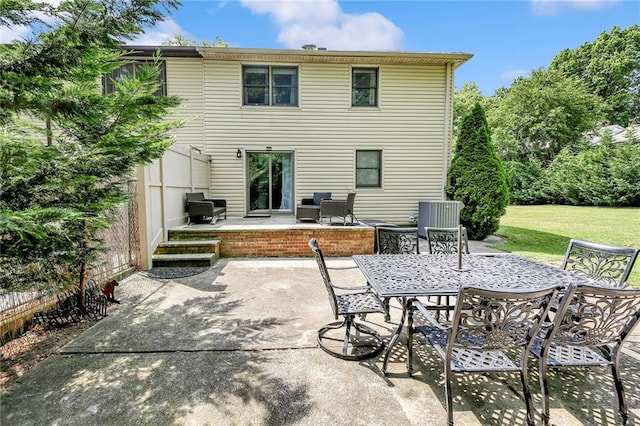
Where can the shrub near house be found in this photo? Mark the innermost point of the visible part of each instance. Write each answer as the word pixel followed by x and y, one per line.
pixel 477 177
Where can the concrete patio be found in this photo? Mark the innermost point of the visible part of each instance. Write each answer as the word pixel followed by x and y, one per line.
pixel 236 346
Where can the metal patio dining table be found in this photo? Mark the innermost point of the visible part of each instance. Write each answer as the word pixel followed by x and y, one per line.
pixel 407 276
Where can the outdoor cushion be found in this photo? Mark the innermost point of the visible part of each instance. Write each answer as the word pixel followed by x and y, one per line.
pixel 309 208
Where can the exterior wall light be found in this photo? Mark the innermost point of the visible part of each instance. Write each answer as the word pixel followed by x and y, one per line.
pixel 238 153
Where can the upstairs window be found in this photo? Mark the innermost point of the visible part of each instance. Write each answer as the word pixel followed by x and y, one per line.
pixel 130 69
pixel 267 85
pixel 368 169
pixel 364 87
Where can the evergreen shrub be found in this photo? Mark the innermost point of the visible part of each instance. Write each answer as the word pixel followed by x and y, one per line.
pixel 477 177
pixel 526 182
pixel 603 175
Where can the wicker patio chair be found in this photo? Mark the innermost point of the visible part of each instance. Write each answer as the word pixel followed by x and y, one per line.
pixel 588 329
pixel 603 262
pixel 491 331
pixel 338 208
pixel 204 210
pixel 350 302
pixel 309 208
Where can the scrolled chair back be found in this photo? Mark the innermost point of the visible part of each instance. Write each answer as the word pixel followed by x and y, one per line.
pixel 445 240
pixel 313 243
pixel 397 240
pixel 498 320
pixel 595 316
pixel 610 264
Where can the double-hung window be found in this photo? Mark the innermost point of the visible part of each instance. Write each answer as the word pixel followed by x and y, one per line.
pixel 130 70
pixel 270 85
pixel 364 85
pixel 368 168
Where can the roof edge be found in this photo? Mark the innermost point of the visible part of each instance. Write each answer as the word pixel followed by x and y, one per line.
pixel 318 55
pixel 167 51
pixel 302 55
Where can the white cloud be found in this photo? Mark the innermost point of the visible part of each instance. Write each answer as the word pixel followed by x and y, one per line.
pixel 323 23
pixel 554 7
pixel 18 32
pixel 513 74
pixel 161 32
pixel 509 76
pixel 8 35
pixel 296 11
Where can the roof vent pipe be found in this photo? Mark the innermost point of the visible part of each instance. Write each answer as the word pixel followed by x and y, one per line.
pixel 309 46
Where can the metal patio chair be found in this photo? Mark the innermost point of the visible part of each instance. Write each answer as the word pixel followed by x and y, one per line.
pixel 349 303
pixel 396 240
pixel 603 262
pixel 488 329
pixel 588 329
pixel 445 240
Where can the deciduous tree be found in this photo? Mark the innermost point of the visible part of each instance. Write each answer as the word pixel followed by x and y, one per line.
pixel 179 40
pixel 542 114
pixel 610 68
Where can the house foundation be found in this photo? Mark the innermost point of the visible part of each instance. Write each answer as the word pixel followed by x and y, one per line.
pixel 281 241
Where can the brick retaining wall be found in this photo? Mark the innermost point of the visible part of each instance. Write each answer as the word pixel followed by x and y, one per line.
pixel 334 241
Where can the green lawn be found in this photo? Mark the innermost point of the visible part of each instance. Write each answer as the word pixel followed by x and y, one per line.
pixel 543 232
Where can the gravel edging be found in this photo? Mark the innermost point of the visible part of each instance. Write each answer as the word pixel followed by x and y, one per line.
pixel 167 273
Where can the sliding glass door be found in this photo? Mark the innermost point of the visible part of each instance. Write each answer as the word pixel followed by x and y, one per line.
pixel 270 181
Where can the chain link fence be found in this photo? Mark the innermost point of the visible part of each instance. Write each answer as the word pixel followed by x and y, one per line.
pixel 123 254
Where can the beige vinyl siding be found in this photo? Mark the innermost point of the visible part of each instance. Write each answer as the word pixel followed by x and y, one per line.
pixel 223 125
pixel 185 80
pixel 324 132
pixel 412 101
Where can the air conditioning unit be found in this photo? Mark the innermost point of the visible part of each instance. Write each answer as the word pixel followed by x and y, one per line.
pixel 437 214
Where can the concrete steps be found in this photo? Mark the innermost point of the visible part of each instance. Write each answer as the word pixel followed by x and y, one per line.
pixel 186 253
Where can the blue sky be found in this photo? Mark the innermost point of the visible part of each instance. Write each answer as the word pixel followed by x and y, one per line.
pixel 508 38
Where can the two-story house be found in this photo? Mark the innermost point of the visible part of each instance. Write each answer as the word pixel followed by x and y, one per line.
pixel 282 124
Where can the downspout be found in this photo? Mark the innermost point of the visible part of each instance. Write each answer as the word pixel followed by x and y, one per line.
pixel 204 115
pixel 447 133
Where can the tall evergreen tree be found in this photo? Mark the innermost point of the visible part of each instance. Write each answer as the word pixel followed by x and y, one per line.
pixel 477 177
pixel 57 197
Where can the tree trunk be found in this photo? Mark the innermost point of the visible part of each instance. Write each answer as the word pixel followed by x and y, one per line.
pixel 82 285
